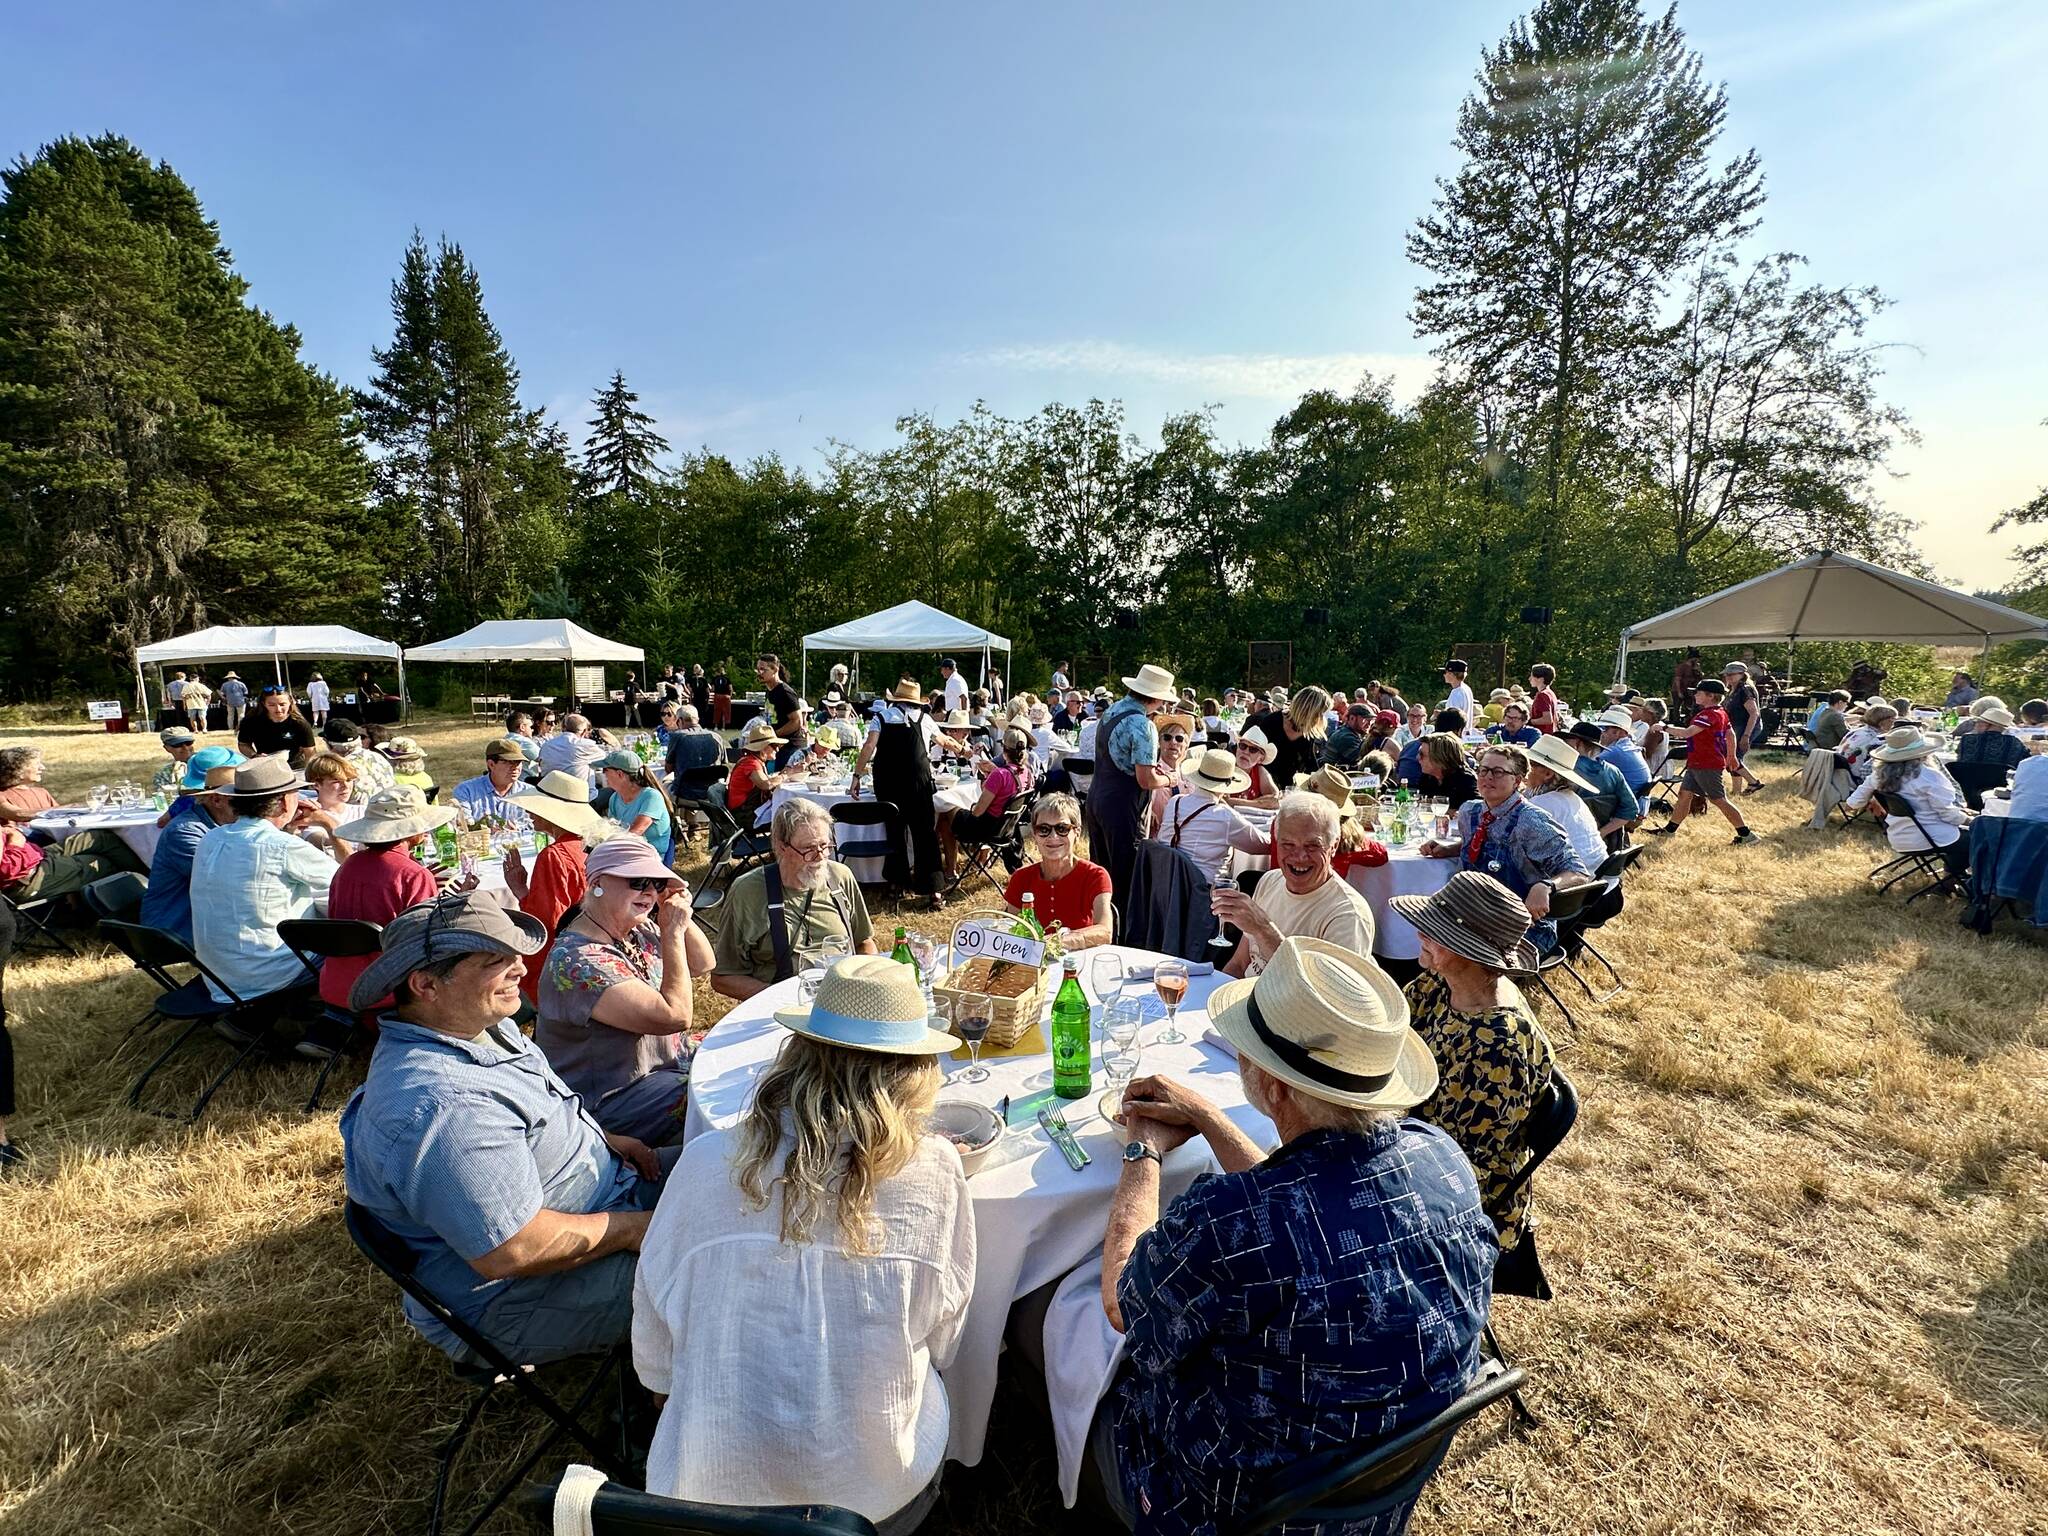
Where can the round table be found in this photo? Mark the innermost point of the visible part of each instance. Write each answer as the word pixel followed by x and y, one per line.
pixel 137 828
pixel 1406 873
pixel 1035 1218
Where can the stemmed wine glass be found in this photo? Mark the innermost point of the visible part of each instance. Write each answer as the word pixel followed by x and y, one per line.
pixel 970 1022
pixel 1120 1055
pixel 1170 978
pixel 1106 976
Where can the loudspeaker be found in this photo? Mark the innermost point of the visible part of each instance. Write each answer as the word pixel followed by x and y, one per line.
pixel 1535 615
pixel 1126 618
pixel 1316 618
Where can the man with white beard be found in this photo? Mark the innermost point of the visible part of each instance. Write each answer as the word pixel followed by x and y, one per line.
pixel 799 911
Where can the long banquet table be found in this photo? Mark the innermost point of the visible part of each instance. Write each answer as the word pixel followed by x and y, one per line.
pixel 137 827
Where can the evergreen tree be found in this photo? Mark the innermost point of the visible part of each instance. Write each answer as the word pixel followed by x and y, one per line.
pixel 620 455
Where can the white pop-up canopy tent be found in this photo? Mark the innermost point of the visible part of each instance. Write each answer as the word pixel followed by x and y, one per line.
pixel 1831 597
pixel 253 642
pixel 527 640
pixel 911 626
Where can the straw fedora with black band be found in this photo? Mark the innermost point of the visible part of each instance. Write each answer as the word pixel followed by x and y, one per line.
pixel 1556 754
pixel 561 800
pixel 759 734
pixel 1151 683
pixel 1330 1024
pixel 1333 784
pixel 907 691
pixel 869 1003
pixel 1216 773
pixel 1474 915
pixel 395 814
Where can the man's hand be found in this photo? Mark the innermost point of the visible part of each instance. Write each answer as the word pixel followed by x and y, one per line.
pixel 1163 1113
pixel 636 1152
pixel 1538 900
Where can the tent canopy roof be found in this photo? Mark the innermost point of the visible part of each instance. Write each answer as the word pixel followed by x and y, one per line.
pixel 525 640
pixel 911 626
pixel 242 642
pixel 1828 596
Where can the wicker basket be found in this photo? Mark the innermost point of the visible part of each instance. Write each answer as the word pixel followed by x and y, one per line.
pixel 1011 1014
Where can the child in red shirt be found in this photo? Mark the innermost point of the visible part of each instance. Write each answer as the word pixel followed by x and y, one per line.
pixel 1710 750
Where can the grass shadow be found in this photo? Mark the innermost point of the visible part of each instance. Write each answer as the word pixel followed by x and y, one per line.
pixel 1996 1353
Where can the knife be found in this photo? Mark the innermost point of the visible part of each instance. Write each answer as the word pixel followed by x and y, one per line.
pixel 1060 1136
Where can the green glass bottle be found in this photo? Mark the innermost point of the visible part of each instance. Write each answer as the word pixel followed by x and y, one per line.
pixel 1026 926
pixel 902 953
pixel 1071 1077
pixel 445 845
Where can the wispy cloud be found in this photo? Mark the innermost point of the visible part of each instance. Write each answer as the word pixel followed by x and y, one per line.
pixel 1257 375
pixel 1800 39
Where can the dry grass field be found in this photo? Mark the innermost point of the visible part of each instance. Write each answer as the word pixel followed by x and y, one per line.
pixel 1798 1240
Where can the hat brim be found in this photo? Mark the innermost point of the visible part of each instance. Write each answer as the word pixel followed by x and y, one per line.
pixel 1906 754
pixel 1144 690
pixel 1413 1080
pixel 1267 752
pixel 386 973
pixel 1425 916
pixel 936 1042
pixel 1568 775
pixel 582 820
pixel 1236 784
pixel 295 784
pixel 369 829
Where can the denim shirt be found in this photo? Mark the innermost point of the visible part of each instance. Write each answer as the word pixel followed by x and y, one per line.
pixel 167 904
pixel 456 1144
pixel 1332 1293
pixel 1523 846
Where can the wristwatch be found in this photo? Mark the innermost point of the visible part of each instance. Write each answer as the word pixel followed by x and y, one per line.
pixel 1137 1151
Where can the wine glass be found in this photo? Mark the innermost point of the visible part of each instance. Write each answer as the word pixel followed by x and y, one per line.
pixel 1170 980
pixel 807 981
pixel 97 800
pixel 1119 1064
pixel 970 1022
pixel 1106 975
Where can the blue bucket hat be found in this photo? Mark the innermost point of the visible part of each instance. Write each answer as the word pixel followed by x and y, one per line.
pixel 199 762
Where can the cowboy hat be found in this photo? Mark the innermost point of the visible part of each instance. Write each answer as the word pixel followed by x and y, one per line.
pixel 1329 1023
pixel 1553 753
pixel 1151 682
pixel 1904 743
pixel 1254 737
pixel 204 762
pixel 869 1003
pixel 261 777
pixel 1166 719
pixel 628 856
pixel 1474 915
pixel 759 734
pixel 906 691
pixel 395 814
pixel 1333 784
pixel 1587 731
pixel 461 923
pixel 561 800
pixel 1617 690
pixel 1617 719
pixel 1217 773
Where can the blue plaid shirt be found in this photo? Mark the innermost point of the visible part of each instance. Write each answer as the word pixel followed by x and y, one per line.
pixel 1331 1294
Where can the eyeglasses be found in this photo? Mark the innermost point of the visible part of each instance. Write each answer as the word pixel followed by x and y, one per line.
pixel 1055 829
pixel 817 850
pixel 1494 771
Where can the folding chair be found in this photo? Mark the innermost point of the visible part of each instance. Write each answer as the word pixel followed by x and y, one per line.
pixel 1565 906
pixel 390 1254
pixel 878 830
pixel 1924 861
pixel 1976 780
pixel 1662 793
pixel 1367 1479
pixel 187 1000
pixel 1081 770
pixel 737 848
pixel 32 921
pixel 1002 843
pixel 620 1511
pixel 331 938
pixel 156 951
pixel 1574 941
pixel 1520 1270
pixel 117 896
pixel 1619 862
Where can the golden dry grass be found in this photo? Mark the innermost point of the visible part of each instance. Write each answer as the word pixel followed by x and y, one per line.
pixel 1797 1237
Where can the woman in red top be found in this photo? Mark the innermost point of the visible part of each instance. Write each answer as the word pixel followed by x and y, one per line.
pixel 381 878
pixel 1065 891
pixel 750 783
pixel 558 880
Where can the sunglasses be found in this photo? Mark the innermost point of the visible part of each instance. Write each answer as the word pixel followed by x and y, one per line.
pixel 1056 829
pixel 647 885
pixel 269 689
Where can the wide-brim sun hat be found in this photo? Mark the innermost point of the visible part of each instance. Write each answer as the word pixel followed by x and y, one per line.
pixel 561 800
pixel 758 734
pixel 261 777
pixel 395 814
pixel 1615 720
pixel 1216 771
pixel 869 1003
pixel 2002 718
pixel 1474 915
pixel 1587 731
pixel 1556 754
pixel 1985 701
pixel 403 749
pixel 202 762
pixel 1151 683
pixel 908 691
pixel 460 923
pixel 1327 1022
pixel 1255 737
pixel 628 856
pixel 1905 743
pixel 1165 721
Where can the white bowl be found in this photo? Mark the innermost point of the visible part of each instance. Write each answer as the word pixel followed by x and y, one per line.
pixel 973 1128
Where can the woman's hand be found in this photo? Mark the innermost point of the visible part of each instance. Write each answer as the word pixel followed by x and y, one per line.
pixel 673 910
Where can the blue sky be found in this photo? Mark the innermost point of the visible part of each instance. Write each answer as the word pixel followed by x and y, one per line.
pixel 793 223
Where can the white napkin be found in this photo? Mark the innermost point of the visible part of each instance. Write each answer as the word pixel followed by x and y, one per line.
pixel 1144 972
pixel 1211 1036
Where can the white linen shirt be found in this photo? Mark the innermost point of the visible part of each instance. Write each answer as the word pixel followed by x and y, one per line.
pixel 1208 838
pixel 1580 829
pixel 821 1367
pixel 247 877
pixel 1936 801
pixel 957 692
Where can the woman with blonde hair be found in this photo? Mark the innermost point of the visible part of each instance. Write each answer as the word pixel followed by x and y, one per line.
pixel 1296 731
pixel 843 1223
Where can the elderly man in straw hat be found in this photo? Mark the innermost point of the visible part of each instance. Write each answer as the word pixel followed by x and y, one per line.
pixel 1196 1418
pixel 251 874
pixel 1127 771
pixel 525 1216
pixel 833 1214
pixel 1492 1057
pixel 1302 895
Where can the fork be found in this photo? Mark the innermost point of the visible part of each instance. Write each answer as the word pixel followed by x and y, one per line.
pixel 1054 1120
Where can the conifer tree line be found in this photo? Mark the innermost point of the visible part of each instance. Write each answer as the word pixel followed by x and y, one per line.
pixel 1638 402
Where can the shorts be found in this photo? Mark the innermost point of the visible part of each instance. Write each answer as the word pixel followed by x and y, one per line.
pixel 1707 783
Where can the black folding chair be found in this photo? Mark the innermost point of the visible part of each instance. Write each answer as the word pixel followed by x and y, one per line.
pixel 1574 937
pixel 1620 862
pixel 870 829
pixel 1662 793
pixel 618 1511
pixel 695 789
pixel 242 1021
pixel 175 1000
pixel 1566 905
pixel 1976 780
pixel 1520 1270
pixel 1922 861
pixel 33 923
pixel 117 896
pixel 389 1253
pixel 1002 844
pixel 1357 1482
pixel 331 938
pixel 736 848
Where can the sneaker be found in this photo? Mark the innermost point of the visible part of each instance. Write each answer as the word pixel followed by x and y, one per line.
pixel 1746 835
pixel 1667 831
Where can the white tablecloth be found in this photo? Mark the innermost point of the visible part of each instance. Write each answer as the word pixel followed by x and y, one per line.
pixel 1406 873
pixel 1994 805
pixel 960 797
pixel 1035 1218
pixel 138 828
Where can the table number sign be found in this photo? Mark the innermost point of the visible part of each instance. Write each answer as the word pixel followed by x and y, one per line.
pixel 972 940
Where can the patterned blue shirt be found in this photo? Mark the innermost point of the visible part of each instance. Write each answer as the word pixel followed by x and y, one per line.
pixel 1333 1293
pixel 1627 760
pixel 1133 739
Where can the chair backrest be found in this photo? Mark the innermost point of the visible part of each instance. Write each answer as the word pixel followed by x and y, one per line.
pixel 703 777
pixel 1620 861
pixel 394 1258
pixel 866 813
pixel 1975 780
pixel 155 951
pixel 1357 1482
pixel 1568 902
pixel 618 1510
pixel 1544 1128
pixel 1080 766
pixel 1899 805
pixel 117 896
pixel 331 938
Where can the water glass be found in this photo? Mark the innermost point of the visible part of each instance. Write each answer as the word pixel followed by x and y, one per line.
pixel 97 800
pixel 1120 1064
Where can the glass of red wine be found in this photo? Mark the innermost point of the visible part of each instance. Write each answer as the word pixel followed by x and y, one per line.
pixel 970 1022
pixel 1170 978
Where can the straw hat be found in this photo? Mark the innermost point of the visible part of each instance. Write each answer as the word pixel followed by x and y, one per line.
pixel 1216 771
pixel 1330 1023
pixel 1151 682
pixel 1985 701
pixel 1474 915
pixel 906 691
pixel 1555 754
pixel 1615 720
pixel 759 734
pixel 869 1003
pixel 403 749
pixel 1165 721
pixel 1904 743
pixel 395 814
pixel 2002 718
pixel 956 720
pixel 1039 715
pixel 1333 784
pixel 561 800
pixel 461 923
pixel 1254 737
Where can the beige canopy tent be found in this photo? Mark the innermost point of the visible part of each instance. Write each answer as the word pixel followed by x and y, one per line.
pixel 1827 596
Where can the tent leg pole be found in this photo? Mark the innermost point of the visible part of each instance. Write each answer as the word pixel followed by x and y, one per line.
pixel 404 703
pixel 805 685
pixel 141 692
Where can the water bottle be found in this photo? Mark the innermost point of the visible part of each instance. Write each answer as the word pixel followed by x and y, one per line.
pixel 901 953
pixel 1071 1075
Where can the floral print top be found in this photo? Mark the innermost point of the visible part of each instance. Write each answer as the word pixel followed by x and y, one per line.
pixel 589 1055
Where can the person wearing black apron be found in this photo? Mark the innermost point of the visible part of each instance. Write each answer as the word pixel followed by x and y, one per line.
pixel 1119 795
pixel 899 746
